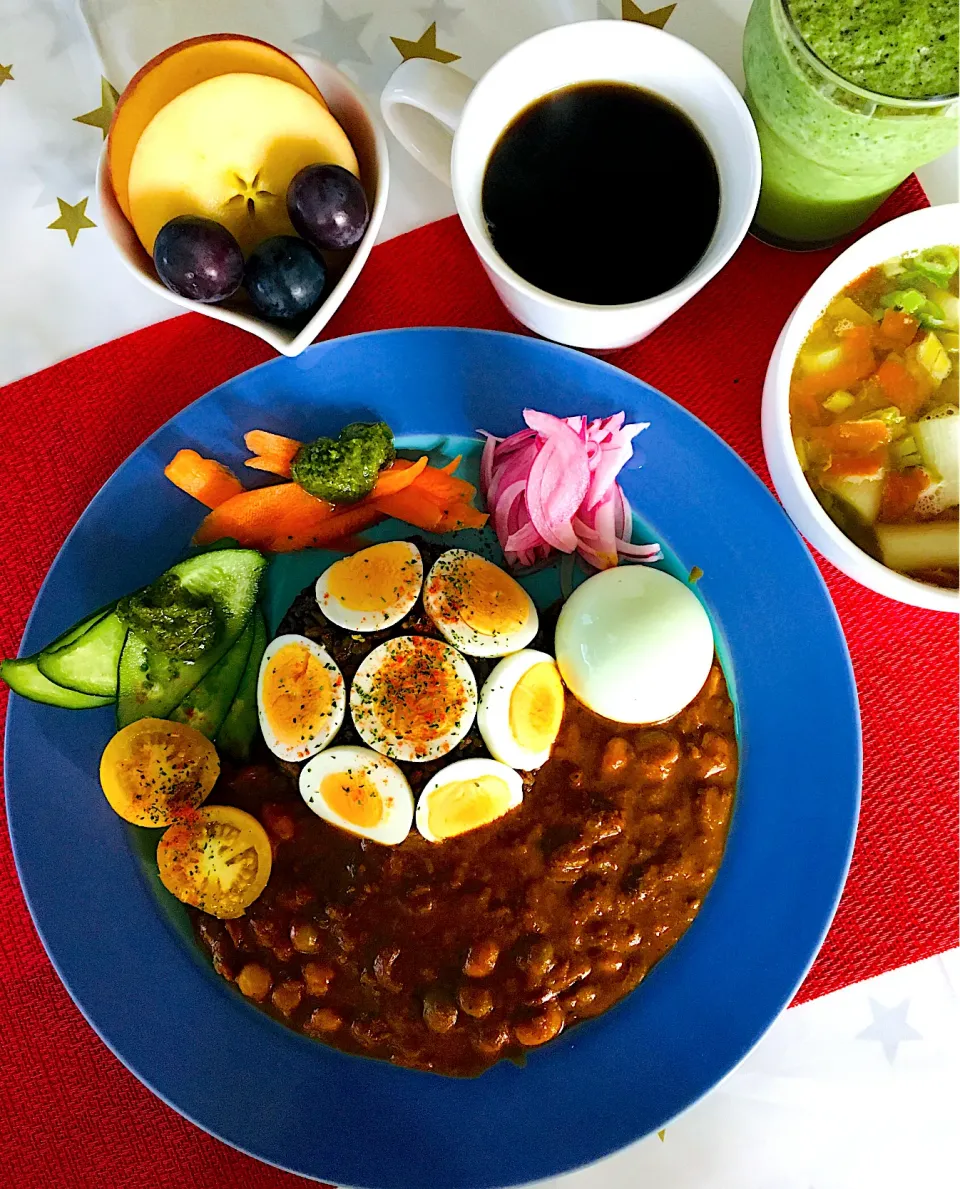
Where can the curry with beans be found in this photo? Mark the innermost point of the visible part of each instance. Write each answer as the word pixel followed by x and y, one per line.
pixel 451 957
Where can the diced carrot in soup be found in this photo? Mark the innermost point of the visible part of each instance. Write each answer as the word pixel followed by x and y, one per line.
pixel 839 377
pixel 856 338
pixel 870 397
pixel 896 330
pixel 858 361
pixel 852 437
pixel 858 466
pixel 805 409
pixel 901 490
pixel 900 385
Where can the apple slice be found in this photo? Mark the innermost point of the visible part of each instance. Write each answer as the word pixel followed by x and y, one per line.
pixel 227 149
pixel 178 69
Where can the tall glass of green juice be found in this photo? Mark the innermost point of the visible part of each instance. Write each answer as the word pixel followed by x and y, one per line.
pixel 849 97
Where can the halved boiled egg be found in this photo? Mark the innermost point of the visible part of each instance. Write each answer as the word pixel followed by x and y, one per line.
pixel 521 705
pixel 466 795
pixel 477 606
pixel 413 698
pixel 301 699
pixel 372 589
pixel 359 791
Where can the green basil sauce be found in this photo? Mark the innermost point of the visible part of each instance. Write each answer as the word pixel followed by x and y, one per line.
pixel 172 619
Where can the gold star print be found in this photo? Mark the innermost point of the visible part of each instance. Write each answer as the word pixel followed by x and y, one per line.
pixel 425 47
pixel 661 1135
pixel 72 219
pixel 101 116
pixel 658 18
pixel 6 74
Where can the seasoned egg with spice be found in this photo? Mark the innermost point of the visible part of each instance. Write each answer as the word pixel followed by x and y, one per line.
pixel 301 698
pixel 477 606
pixel 372 589
pixel 466 795
pixel 521 705
pixel 413 698
pixel 360 792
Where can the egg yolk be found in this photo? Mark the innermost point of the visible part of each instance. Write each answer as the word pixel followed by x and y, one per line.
pixel 375 579
pixel 536 707
pixel 464 805
pixel 417 694
pixel 297 694
pixel 483 596
pixel 354 797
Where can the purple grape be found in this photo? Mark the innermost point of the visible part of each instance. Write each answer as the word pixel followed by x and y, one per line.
pixel 285 279
pixel 198 258
pixel 327 206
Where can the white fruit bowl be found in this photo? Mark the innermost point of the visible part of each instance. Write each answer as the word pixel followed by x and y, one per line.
pixel 363 128
pixel 910 233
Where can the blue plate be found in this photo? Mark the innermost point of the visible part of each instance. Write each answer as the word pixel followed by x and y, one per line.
pixel 120 949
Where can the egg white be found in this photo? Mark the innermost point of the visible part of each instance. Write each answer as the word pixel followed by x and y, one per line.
pixel 634 644
pixel 332 724
pixel 493 711
pixel 459 632
pixel 373 621
pixel 393 786
pixel 466 770
pixel 371 729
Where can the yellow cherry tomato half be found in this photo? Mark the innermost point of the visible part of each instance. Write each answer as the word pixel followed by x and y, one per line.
pixel 154 770
pixel 218 859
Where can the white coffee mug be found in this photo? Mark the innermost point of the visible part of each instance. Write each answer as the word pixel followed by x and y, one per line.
pixel 451 124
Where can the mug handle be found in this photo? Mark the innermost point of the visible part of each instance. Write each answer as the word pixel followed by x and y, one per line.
pixel 421 105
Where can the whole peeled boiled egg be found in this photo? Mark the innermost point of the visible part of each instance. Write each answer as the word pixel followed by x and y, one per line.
pixel 372 589
pixel 466 795
pixel 413 698
pixel 360 792
pixel 634 644
pixel 521 706
pixel 477 606
pixel 301 699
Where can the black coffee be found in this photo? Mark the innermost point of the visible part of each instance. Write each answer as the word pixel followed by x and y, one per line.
pixel 602 193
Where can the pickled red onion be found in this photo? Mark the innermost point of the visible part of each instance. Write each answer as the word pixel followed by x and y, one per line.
pixel 554 485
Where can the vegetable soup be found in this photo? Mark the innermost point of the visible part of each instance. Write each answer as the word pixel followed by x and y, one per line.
pixel 874 413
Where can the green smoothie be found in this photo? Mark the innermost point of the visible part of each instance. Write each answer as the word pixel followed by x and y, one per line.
pixel 849 97
pixel 904 48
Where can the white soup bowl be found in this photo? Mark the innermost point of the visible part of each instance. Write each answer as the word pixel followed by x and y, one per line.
pixel 910 233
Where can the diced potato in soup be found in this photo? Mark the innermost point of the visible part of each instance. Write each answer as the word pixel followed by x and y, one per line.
pixel 875 417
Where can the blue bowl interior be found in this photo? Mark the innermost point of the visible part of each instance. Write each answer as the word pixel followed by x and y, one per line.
pixel 122 946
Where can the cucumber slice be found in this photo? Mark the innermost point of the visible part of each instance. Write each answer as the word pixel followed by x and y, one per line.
pixel 239 727
pixel 206 705
pixel 151 684
pixel 88 664
pixel 25 679
pixel 78 629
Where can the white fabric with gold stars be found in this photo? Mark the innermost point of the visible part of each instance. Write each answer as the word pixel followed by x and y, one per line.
pixel 857 1090
pixel 60 60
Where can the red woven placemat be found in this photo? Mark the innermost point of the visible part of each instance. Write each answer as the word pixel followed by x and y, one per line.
pixel 68 1110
